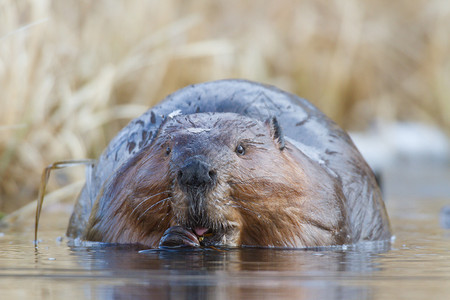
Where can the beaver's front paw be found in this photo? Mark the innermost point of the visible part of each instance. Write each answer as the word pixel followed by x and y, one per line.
pixel 177 236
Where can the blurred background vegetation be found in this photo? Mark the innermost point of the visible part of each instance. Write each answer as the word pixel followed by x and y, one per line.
pixel 73 72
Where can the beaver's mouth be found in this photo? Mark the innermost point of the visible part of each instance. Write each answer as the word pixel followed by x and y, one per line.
pixel 200 231
pixel 208 236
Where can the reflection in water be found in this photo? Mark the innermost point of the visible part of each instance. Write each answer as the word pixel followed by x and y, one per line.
pixel 232 273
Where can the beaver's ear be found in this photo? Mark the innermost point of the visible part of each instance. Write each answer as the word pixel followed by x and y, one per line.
pixel 276 132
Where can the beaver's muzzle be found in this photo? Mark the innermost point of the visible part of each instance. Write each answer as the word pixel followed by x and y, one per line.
pixel 196 174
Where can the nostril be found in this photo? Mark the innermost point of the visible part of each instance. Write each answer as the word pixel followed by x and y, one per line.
pixel 212 174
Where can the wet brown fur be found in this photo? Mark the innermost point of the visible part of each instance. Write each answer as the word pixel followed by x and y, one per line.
pixel 271 196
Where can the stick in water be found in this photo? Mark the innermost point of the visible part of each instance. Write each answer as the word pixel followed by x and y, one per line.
pixel 44 180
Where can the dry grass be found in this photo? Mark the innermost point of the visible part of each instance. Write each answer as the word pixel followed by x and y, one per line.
pixel 73 72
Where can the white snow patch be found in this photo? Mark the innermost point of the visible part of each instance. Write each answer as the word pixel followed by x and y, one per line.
pixel 388 143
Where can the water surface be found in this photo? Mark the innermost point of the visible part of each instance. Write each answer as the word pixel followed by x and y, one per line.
pixel 415 266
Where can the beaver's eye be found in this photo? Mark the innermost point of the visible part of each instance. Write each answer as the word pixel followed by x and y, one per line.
pixel 168 150
pixel 240 149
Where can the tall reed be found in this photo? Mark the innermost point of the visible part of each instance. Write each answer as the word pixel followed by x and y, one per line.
pixel 72 73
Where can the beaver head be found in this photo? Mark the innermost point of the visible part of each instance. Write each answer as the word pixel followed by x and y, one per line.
pixel 224 177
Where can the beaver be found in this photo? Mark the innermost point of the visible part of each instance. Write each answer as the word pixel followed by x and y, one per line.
pixel 231 163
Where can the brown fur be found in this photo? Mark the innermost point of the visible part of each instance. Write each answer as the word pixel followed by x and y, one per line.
pixel 272 195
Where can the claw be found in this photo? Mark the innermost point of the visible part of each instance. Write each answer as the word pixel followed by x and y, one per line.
pixel 177 236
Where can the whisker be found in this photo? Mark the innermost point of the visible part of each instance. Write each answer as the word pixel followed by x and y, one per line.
pixel 146 199
pixel 234 198
pixel 160 201
pixel 245 208
pixel 162 219
pixel 251 180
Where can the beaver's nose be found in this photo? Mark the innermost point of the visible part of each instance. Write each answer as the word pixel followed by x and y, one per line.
pixel 196 173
